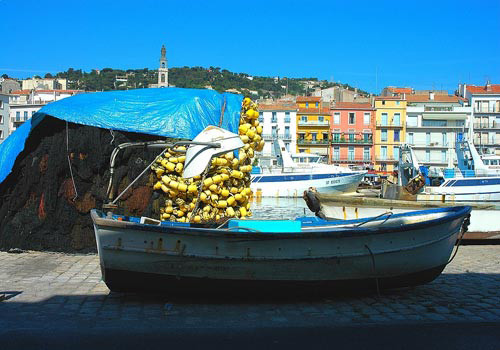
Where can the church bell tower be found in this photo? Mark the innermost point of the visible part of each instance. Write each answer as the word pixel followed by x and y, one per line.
pixel 163 70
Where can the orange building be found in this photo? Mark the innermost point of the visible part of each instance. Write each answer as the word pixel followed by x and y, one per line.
pixel 313 126
pixel 352 127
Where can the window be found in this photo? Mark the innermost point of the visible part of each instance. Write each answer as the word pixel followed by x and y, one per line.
pixel 396 120
pixel 1 103
pixel 325 136
pixel 313 136
pixel 351 135
pixel 383 136
pixel 317 104
pixel 163 78
pixel 25 115
pixel 427 156
pixel 287 146
pixel 395 152
pixel 366 119
pixel 443 156
pixel 383 102
pixel 301 136
pixel 287 131
pixel 307 104
pixel 427 138
pixel 384 118
pixel 444 138
pixel 273 130
pixel 396 135
pixel 321 119
pixel 273 118
pixel 367 136
pixel 350 153
pixel 32 112
pixel 303 119
pixel 336 136
pixel 366 153
pixel 410 138
pixel 302 150
pixel 336 153
pixel 1 134
pixel 383 167
pixel 426 122
pixel 287 117
pixel 1 119
pixel 383 152
pixel 336 118
pixel 397 103
pixel 18 116
pixel 352 118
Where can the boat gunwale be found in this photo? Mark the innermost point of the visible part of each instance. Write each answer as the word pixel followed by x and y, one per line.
pixel 452 213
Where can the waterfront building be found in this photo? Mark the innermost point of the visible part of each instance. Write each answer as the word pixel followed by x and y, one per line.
pixel 433 124
pixel 340 94
pixel 485 103
pixel 352 125
pixel 4 116
pixel 278 121
pixel 313 126
pixel 44 84
pixel 390 128
pixel 24 103
pixel 8 85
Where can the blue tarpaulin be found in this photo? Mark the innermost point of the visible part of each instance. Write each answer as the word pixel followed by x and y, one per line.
pixel 169 112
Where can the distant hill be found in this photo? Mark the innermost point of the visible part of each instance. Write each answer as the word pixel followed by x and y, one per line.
pixel 194 77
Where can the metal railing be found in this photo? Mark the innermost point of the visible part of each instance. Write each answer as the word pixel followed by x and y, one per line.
pixel 352 141
pixel 270 137
pixel 380 158
pixel 313 142
pixel 352 159
pixel 486 110
pixel 492 125
pixel 390 125
pixel 314 123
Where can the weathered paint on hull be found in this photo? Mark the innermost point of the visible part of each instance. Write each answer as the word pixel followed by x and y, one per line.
pixel 287 261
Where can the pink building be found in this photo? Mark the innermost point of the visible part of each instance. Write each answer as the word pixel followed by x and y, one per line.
pixel 352 126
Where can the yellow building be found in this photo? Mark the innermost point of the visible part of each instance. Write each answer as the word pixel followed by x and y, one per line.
pixel 313 126
pixel 390 131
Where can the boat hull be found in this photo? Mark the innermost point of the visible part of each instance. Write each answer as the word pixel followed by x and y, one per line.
pixel 294 185
pixel 135 257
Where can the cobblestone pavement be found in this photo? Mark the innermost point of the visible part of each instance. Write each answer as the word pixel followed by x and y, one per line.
pixel 41 288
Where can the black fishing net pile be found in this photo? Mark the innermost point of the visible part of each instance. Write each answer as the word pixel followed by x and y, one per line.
pixel 39 208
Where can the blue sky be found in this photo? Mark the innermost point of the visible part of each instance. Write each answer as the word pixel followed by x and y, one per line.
pixel 369 44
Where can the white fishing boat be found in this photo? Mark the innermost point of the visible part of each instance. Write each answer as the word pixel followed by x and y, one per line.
pixel 290 179
pixel 303 255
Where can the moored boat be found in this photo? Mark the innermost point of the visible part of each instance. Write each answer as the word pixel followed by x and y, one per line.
pixel 291 179
pixel 307 255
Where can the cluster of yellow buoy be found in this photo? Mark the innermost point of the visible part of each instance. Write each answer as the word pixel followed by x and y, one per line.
pixel 225 191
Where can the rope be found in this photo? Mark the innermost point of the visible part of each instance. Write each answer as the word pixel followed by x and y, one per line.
pixel 374 269
pixel 463 229
pixel 69 162
pixel 112 136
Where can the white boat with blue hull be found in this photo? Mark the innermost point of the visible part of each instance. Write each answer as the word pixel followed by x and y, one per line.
pixel 290 179
pixel 472 181
pixel 305 255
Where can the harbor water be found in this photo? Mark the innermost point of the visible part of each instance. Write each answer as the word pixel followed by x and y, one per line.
pixel 279 208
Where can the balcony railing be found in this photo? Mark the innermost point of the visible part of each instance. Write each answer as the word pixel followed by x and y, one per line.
pixel 352 159
pixel 486 110
pixel 313 142
pixel 352 141
pixel 18 120
pixel 389 125
pixel 492 125
pixel 287 120
pixel 270 137
pixel 380 158
pixel 314 123
pixel 431 144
